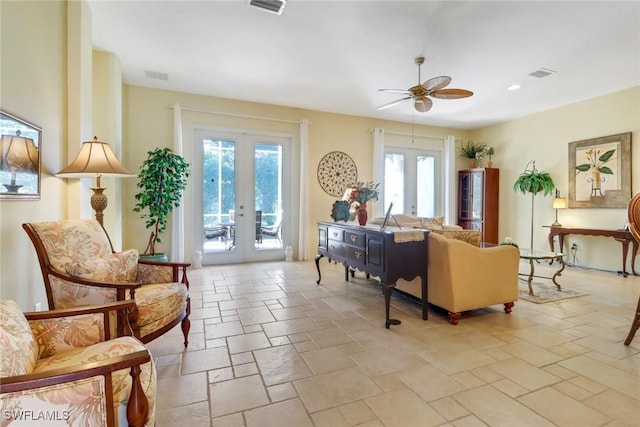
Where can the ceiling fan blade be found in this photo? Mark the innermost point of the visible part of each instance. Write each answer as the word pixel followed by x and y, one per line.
pixel 400 91
pixel 436 83
pixel 451 93
pixel 423 104
pixel 392 103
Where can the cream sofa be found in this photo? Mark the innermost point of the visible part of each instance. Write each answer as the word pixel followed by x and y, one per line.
pixel 462 275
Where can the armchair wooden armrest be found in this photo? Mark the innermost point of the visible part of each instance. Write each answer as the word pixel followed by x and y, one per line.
pixel 126 309
pixel 137 406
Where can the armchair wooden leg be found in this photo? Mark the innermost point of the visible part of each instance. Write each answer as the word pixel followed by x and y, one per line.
pixel 186 324
pixel 454 318
pixel 138 406
pixel 508 306
pixel 634 325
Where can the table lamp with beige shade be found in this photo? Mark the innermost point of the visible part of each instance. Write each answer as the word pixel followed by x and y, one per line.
pixel 96 159
pixel 558 203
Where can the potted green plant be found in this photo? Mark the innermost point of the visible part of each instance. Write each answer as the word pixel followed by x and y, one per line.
pixel 472 151
pixel 161 181
pixel 531 180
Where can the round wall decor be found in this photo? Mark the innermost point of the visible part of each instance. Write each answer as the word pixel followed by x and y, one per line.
pixel 337 172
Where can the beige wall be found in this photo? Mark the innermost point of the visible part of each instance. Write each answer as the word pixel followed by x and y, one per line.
pixel 149 124
pixel 544 137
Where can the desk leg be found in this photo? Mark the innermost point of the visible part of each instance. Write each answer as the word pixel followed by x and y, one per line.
pixel 318 267
pixel 625 251
pixel 530 278
pixel 560 259
pixel 388 289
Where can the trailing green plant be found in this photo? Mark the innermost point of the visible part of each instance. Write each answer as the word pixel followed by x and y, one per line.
pixel 161 181
pixel 533 181
pixel 471 150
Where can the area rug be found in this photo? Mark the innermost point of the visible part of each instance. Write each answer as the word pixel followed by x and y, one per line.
pixel 545 293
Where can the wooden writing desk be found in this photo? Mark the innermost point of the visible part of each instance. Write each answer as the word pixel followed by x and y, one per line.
pixel 622 236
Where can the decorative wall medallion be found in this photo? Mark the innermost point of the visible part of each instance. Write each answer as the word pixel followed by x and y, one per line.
pixel 337 172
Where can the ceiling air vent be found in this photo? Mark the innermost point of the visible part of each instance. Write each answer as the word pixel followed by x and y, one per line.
pixel 542 72
pixel 271 6
pixel 156 75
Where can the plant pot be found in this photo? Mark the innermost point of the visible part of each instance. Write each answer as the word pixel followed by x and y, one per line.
pixel 362 214
pixel 471 163
pixel 160 257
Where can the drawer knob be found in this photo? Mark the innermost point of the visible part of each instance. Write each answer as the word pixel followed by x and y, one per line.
pixel 354 238
pixel 358 254
pixel 335 234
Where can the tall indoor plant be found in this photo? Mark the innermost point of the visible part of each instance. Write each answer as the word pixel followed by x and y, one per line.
pixel 161 181
pixel 533 181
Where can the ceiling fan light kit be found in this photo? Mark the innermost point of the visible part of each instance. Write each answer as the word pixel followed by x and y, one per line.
pixel 420 93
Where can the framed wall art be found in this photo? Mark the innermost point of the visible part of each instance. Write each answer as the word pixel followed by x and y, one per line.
pixel 20 147
pixel 600 172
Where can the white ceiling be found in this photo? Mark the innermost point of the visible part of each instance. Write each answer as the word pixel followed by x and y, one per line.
pixel 335 55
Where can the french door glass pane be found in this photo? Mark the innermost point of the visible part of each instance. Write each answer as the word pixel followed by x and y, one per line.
pixel 219 181
pixel 394 181
pixel 268 195
pixel 425 185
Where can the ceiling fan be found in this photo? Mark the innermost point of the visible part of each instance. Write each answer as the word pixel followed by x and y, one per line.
pixel 421 92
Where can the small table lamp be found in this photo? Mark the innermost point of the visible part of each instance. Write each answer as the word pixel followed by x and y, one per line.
pixel 95 159
pixel 558 203
pixel 19 154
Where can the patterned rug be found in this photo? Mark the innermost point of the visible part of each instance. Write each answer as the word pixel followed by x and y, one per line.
pixel 546 292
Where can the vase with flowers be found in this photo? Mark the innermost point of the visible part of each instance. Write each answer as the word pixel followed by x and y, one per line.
pixel 359 195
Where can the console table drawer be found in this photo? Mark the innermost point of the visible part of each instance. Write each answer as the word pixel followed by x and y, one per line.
pixel 357 240
pixel 356 256
pixel 336 234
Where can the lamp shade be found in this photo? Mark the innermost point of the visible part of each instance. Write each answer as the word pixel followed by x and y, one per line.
pixel 18 154
pixel 559 203
pixel 95 158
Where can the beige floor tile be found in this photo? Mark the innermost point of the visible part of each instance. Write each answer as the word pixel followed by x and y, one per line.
pixel 468 421
pixel 329 337
pixel 456 357
pixel 572 390
pixel 429 383
pixel 402 408
pixel 617 406
pixel 497 409
pixel 197 414
pixel 205 360
pixel 222 330
pixel 329 418
pixel 281 364
pixel 449 408
pixel 233 420
pixel 289 327
pixel 510 388
pixel 255 315
pixel 248 342
pixel 335 388
pixel 237 395
pixel 542 336
pixel 357 413
pixel 281 392
pixel 287 413
pixel 182 390
pixel 531 353
pixel 604 374
pixel 525 374
pixel 561 409
pixel 326 360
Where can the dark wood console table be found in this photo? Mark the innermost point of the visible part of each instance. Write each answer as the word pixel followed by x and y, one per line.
pixel 387 254
pixel 622 236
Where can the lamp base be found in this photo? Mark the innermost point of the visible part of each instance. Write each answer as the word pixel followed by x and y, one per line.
pixel 12 188
pixel 98 202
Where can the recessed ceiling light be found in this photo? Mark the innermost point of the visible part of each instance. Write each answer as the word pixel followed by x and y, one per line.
pixel 513 87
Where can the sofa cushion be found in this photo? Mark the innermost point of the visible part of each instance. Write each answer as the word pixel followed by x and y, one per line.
pixel 18 351
pixel 117 267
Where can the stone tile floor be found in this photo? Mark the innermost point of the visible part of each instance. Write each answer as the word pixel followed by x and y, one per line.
pixel 269 347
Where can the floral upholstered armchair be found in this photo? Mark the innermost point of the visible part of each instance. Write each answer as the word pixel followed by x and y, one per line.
pixel 79 267
pixel 63 367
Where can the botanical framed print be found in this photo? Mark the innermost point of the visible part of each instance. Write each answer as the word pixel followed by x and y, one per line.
pixel 20 147
pixel 600 172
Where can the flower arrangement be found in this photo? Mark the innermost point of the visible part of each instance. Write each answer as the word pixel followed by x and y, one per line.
pixel 361 193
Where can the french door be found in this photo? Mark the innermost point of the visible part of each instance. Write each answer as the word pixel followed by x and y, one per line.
pixel 243 179
pixel 413 181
